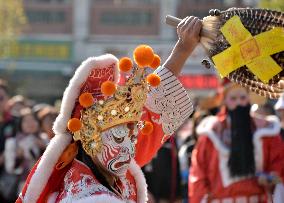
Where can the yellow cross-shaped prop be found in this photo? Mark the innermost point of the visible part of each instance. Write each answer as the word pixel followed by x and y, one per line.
pixel 252 51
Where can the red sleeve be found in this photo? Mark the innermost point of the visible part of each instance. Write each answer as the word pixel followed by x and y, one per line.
pixel 198 179
pixel 167 107
pixel 148 145
pixel 273 151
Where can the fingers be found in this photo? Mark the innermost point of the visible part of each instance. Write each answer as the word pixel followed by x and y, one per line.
pixel 197 26
pixel 181 25
pixel 189 24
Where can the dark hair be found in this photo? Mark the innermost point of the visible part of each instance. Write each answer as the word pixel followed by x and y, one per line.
pixel 86 159
pixel 45 112
pixel 4 85
pixel 24 112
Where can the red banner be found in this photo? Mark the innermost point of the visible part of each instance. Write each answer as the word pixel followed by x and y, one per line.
pixel 199 81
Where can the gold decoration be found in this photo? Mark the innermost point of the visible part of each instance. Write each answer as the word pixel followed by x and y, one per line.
pixel 124 106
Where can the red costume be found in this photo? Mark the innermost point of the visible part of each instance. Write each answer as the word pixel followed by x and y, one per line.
pixel 210 179
pixel 167 106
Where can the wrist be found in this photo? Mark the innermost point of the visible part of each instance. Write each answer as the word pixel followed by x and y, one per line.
pixel 183 49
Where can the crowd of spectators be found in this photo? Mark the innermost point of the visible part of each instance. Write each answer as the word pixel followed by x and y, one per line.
pixel 25 131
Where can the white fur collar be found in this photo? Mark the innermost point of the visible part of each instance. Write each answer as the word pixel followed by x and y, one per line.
pixel 72 92
pixel 205 128
pixel 62 138
pixel 140 183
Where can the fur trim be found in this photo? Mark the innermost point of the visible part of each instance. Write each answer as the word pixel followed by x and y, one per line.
pixel 52 197
pixel 140 182
pixel 45 166
pixel 103 198
pixel 72 91
pixel 273 129
pixel 278 196
pixel 10 154
pixel 62 138
pixel 205 128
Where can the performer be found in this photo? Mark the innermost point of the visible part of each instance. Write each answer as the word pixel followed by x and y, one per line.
pixel 279 107
pixel 104 127
pixel 235 160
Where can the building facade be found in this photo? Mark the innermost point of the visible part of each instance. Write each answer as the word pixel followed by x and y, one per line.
pixel 62 33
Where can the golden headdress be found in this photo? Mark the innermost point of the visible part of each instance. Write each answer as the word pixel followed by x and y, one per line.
pixel 119 104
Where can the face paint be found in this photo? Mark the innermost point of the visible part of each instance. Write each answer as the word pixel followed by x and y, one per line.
pixel 118 148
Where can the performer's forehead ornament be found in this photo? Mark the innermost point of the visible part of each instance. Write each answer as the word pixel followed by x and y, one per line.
pixel 115 104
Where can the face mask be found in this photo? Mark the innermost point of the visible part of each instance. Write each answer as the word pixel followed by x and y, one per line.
pixel 118 148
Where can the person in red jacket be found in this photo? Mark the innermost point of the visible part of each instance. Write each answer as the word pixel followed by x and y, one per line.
pixel 235 160
pixel 106 132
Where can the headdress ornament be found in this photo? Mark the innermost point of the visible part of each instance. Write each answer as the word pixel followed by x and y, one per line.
pixel 111 104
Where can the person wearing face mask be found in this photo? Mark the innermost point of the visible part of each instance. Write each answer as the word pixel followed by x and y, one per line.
pixel 233 153
pixel 106 130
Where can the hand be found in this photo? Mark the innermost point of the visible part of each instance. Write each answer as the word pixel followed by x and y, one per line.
pixel 268 180
pixel 188 31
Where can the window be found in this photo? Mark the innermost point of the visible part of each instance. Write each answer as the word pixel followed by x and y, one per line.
pixel 118 18
pixel 45 16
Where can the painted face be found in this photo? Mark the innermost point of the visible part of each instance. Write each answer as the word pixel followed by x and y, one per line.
pixel 118 148
pixel 236 97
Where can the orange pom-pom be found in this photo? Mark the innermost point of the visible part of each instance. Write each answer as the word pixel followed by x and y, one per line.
pixel 86 100
pixel 153 79
pixel 143 55
pixel 148 128
pixel 108 88
pixel 125 64
pixel 156 62
pixel 74 124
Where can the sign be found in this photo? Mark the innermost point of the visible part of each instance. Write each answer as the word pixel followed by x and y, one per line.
pixel 39 50
pixel 199 81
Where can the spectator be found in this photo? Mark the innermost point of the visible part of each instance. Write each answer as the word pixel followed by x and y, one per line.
pixel 46 117
pixel 7 130
pixel 22 151
pixel 16 104
pixel 163 174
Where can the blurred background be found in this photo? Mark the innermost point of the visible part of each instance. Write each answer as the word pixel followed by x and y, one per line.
pixel 42 42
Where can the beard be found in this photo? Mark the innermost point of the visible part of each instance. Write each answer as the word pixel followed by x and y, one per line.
pixel 241 160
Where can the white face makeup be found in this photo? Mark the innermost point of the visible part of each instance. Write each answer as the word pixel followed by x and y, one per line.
pixel 118 148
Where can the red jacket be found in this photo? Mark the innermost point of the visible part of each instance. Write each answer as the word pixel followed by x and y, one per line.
pixel 209 178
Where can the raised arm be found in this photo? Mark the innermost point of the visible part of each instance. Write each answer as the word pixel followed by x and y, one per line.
pixel 168 105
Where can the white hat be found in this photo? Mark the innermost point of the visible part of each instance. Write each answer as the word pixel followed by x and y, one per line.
pixel 280 103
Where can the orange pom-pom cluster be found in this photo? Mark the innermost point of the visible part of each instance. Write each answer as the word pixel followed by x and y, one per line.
pixel 86 100
pixel 74 124
pixel 153 79
pixel 108 88
pixel 143 55
pixel 125 64
pixel 156 62
pixel 148 128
